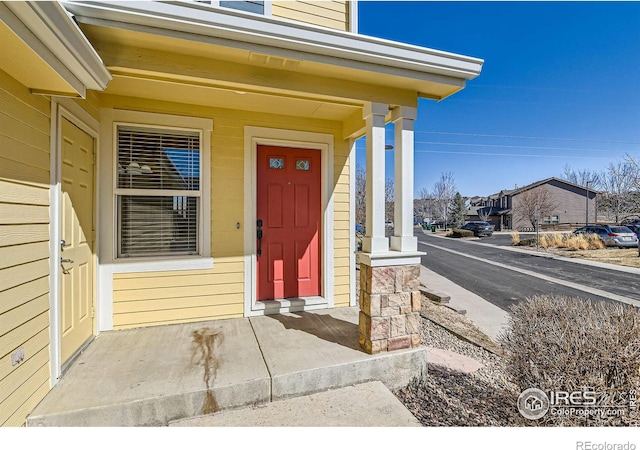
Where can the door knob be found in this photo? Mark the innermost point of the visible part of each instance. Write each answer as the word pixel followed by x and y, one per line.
pixel 66 260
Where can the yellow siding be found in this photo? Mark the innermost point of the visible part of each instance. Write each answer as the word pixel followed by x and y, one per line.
pixel 143 299
pixel 24 249
pixel 330 14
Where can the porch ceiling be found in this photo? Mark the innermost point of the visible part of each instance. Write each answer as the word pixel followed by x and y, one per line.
pixel 195 53
pixel 22 63
pixel 173 69
pixel 219 96
pixel 44 49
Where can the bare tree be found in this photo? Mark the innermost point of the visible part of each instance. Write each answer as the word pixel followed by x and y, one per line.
pixel 536 201
pixel 581 177
pixel 484 213
pixel 423 206
pixel 361 198
pixel 617 198
pixel 389 200
pixel 443 192
pixel 634 173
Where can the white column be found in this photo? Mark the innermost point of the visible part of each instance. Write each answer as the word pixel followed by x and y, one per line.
pixel 375 240
pixel 403 239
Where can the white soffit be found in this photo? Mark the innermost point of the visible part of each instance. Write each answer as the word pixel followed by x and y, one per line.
pixel 51 33
pixel 193 21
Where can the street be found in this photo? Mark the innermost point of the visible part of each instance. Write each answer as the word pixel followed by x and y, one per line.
pixel 504 277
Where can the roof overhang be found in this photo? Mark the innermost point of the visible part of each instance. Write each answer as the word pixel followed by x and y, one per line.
pixel 45 50
pixel 424 68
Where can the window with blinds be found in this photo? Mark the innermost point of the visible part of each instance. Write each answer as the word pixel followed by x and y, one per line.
pixel 250 6
pixel 157 192
pixel 253 6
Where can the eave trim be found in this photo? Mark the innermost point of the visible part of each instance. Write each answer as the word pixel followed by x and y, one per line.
pixel 53 35
pixel 202 20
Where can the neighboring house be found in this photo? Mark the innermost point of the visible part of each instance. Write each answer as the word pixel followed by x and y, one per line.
pixel 570 203
pixel 163 163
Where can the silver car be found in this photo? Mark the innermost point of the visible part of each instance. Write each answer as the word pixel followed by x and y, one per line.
pixel 611 235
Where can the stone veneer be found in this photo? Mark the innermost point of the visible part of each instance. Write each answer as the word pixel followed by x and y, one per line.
pixel 390 303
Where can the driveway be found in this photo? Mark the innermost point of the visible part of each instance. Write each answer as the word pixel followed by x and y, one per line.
pixel 504 277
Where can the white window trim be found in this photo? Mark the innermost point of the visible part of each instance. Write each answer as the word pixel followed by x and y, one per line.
pixel 254 136
pixel 267 8
pixel 108 263
pixel 353 16
pixel 204 248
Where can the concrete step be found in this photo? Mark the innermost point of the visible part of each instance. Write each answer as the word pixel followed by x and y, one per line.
pixel 153 376
pixel 364 405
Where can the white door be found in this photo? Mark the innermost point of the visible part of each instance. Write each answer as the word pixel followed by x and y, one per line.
pixel 76 272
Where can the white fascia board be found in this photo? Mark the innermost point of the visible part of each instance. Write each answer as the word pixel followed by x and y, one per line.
pixel 331 46
pixel 50 23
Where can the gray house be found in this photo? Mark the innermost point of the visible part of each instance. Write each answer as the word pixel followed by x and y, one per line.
pixel 561 204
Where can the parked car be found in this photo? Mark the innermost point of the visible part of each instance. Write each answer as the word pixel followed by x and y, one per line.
pixel 635 227
pixel 479 228
pixel 611 235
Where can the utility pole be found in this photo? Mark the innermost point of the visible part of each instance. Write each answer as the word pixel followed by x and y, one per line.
pixel 537 230
pixel 586 218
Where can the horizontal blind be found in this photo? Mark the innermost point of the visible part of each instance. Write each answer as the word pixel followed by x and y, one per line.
pixel 158 159
pixel 153 220
pixel 156 226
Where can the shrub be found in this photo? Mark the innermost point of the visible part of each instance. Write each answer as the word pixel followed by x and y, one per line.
pixel 563 240
pixel 528 242
pixel 553 240
pixel 515 238
pixel 557 343
pixel 458 233
pixel 595 241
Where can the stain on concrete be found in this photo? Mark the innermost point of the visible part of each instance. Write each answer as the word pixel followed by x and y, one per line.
pixel 205 341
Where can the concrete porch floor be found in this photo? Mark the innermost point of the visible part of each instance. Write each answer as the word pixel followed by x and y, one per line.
pixel 153 376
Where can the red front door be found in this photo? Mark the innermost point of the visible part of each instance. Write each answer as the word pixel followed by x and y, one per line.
pixel 289 210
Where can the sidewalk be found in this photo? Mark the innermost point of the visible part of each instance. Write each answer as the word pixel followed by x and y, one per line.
pixel 489 318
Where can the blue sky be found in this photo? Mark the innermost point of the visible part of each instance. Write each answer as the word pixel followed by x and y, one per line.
pixel 560 86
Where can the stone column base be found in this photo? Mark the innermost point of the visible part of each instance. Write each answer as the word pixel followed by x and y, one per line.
pixel 390 303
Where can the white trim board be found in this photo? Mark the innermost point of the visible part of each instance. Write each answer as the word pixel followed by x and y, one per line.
pixel 254 136
pixel 109 264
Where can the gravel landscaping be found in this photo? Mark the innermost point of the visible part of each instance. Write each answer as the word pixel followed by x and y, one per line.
pixel 449 398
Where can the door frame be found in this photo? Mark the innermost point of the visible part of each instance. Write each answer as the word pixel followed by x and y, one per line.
pixel 254 136
pixel 62 108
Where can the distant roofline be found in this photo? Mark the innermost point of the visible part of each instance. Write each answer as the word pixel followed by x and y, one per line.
pixel 538 183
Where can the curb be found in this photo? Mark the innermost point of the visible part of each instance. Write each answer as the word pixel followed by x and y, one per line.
pixel 626 269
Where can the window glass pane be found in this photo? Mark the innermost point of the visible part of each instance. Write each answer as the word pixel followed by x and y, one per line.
pixel 302 164
pixel 157 225
pixel 158 159
pixel 276 163
pixel 250 6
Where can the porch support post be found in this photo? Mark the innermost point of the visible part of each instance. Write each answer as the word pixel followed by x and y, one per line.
pixel 390 299
pixel 403 239
pixel 375 240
